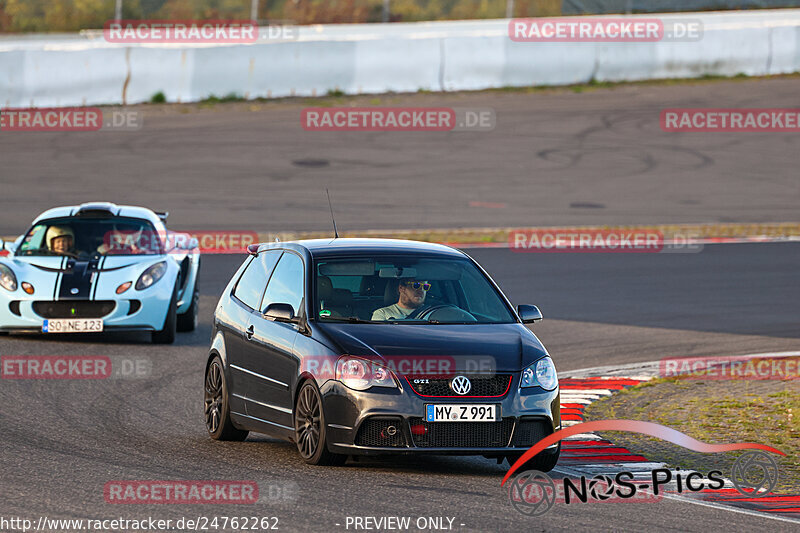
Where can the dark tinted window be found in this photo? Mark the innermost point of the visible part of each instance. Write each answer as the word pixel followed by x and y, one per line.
pixel 251 285
pixel 286 284
pixel 361 287
pixel 88 237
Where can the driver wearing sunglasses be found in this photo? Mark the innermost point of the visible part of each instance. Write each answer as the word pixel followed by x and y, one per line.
pixel 411 295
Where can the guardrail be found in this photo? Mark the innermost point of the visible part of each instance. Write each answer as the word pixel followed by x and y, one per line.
pixel 74 70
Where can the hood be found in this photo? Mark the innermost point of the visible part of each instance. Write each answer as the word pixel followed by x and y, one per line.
pixel 111 262
pixel 507 347
pixel 67 278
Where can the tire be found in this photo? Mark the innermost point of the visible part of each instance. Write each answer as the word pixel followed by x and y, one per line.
pixel 188 321
pixel 167 335
pixel 310 433
pixel 216 405
pixel 543 461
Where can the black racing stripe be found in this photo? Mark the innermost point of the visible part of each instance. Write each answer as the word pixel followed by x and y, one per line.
pixel 58 278
pixel 76 281
pixel 97 271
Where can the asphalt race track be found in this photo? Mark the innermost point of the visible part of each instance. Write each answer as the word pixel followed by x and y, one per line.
pixel 62 440
pixel 554 158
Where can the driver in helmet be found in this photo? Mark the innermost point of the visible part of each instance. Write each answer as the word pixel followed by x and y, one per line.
pixel 60 239
pixel 411 295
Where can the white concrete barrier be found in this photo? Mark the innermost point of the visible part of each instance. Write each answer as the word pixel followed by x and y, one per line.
pixel 70 70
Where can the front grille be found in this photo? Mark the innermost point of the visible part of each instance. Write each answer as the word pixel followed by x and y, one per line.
pixel 529 432
pixel 375 432
pixel 493 386
pixel 74 308
pixel 461 434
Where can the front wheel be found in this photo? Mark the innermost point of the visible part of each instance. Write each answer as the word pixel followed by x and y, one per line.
pixel 217 406
pixel 167 335
pixel 309 428
pixel 188 321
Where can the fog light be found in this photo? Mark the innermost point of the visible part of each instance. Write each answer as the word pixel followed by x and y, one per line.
pixel 27 287
pixel 419 429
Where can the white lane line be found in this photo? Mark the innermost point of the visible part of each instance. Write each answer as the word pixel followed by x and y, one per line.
pixel 577 400
pixel 585 436
pixel 650 369
pixel 585 393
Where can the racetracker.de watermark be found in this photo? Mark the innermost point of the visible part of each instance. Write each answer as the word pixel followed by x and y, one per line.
pixel 605 30
pixel 129 242
pixel 412 366
pixel 731 368
pixel 397 119
pixel 69 119
pixel 726 120
pixel 181 492
pixel 590 240
pixel 196 31
pixel 74 367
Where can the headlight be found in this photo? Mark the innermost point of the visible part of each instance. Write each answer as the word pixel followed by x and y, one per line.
pixel 151 275
pixel 542 374
pixel 7 278
pixel 360 374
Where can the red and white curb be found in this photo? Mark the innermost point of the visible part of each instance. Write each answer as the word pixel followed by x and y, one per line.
pixel 589 454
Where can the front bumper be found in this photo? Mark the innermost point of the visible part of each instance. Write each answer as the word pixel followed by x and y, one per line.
pixel 357 422
pixel 128 314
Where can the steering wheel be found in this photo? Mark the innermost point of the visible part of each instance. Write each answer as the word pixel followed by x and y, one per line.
pixel 427 312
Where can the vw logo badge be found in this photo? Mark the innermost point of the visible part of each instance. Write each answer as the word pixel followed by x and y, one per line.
pixel 73 290
pixel 460 385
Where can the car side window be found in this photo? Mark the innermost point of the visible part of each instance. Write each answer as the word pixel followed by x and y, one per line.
pixel 252 283
pixel 286 284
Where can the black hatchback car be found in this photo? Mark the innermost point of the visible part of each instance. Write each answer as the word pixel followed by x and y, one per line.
pixel 373 346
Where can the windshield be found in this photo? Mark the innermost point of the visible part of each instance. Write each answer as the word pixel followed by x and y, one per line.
pixel 83 238
pixel 407 289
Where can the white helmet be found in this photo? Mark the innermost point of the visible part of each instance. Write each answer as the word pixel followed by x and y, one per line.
pixel 54 232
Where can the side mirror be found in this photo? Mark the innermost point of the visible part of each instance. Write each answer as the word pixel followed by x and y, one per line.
pixel 529 313
pixel 2 245
pixel 193 243
pixel 280 312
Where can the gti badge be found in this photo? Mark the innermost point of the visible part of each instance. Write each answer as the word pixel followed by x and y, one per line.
pixel 460 385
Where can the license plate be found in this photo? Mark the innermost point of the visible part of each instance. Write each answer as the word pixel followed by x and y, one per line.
pixel 72 325
pixel 461 412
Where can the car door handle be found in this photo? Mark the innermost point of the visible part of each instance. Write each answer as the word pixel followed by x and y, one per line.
pixel 250 331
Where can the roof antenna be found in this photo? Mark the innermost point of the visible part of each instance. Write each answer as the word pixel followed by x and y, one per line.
pixel 335 231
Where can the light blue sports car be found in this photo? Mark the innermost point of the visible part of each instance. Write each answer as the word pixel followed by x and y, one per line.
pixel 100 267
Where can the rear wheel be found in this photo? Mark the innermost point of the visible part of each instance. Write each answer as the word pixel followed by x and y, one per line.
pixel 167 335
pixel 217 407
pixel 309 428
pixel 188 321
pixel 543 461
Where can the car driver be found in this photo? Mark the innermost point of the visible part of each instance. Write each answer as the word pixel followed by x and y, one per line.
pixel 60 239
pixel 411 295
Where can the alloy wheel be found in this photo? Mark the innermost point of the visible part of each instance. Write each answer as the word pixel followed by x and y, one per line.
pixel 307 419
pixel 213 397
